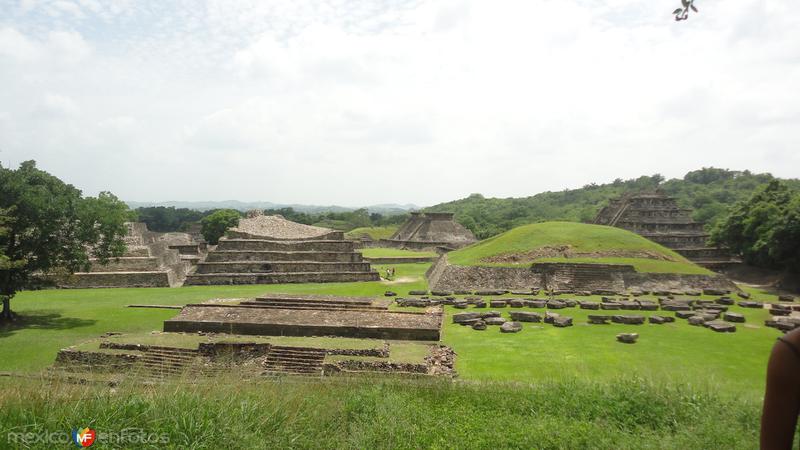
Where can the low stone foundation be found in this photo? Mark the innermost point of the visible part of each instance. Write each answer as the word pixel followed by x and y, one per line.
pixel 252 320
pixel 557 277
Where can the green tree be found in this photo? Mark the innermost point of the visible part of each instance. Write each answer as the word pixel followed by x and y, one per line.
pixel 216 224
pixel 49 227
pixel 764 229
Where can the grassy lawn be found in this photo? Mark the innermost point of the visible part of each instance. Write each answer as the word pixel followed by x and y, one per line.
pixel 54 319
pixel 375 233
pixel 581 238
pixel 673 353
pixel 393 252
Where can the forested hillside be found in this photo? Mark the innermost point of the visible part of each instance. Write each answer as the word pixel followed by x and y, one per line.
pixel 708 191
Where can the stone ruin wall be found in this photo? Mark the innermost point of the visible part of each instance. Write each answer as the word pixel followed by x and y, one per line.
pixel 556 276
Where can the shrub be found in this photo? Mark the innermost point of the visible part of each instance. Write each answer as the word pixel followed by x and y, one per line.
pixel 216 224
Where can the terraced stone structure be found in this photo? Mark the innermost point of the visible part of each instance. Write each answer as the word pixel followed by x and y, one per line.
pixel 271 249
pixel 309 315
pixel 424 231
pixel 151 260
pixel 658 217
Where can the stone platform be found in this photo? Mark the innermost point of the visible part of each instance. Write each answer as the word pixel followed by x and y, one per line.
pixel 271 261
pixel 150 260
pixel 307 317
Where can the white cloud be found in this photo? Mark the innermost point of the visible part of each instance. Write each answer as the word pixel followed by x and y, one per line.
pixel 364 101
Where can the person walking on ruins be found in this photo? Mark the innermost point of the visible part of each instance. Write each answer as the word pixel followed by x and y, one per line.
pixel 782 397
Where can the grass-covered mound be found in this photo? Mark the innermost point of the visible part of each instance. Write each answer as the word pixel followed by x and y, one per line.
pixel 573 242
pixel 375 233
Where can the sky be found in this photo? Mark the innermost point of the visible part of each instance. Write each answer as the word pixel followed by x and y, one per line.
pixel 367 102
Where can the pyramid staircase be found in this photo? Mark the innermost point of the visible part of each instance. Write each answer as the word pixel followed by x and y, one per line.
pixel 294 361
pixel 266 261
pixel 162 362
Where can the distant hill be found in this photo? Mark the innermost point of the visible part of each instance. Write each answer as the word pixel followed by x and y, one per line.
pixel 385 209
pixel 708 191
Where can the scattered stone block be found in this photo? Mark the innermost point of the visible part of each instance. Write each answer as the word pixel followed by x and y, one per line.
pixel 676 307
pixel 562 322
pixel 725 301
pixel 524 316
pixel 684 314
pixel 556 304
pixel 520 292
pixel 535 303
pixel 629 306
pixel 786 298
pixel 628 338
pixel 460 305
pixel 570 303
pixel 658 320
pixel 637 293
pixel 498 303
pixel 628 320
pixel 734 317
pixel 610 306
pixel 515 303
pixel 697 321
pixel 583 293
pixel 598 320
pixel 721 327
pixel 479 325
pixel 550 317
pixel 490 292
pixel 417 292
pixel 494 320
pixel 693 293
pixel 710 291
pixel 390 294
pixel 751 304
pixel 463 317
pixel 462 292
pixel 743 295
pixel 779 312
pixel 480 304
pixel 488 314
pixel 590 305
pixel 441 293
pixel 648 306
pixel 708 315
pixel 511 327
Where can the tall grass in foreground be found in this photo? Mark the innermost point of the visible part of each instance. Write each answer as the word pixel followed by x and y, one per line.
pixel 395 413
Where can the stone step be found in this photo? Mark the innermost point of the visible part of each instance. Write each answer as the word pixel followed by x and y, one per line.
pixel 286 246
pixel 126 264
pixel 279 267
pixel 168 359
pixel 256 255
pixel 173 350
pixel 277 278
pixel 313 303
pixel 118 279
pixel 363 301
pixel 313 307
